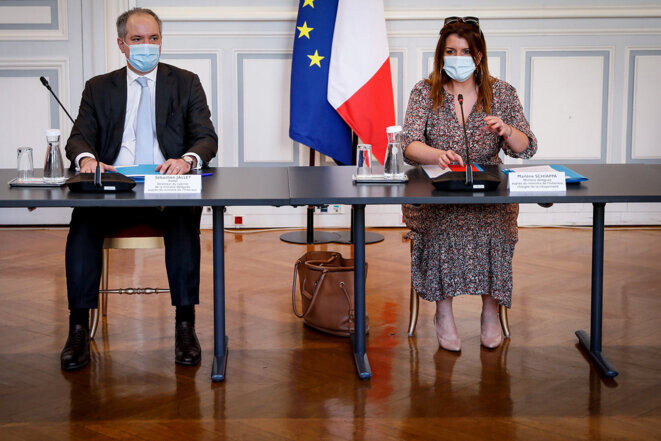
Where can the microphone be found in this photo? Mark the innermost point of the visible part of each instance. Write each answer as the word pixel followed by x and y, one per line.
pixel 469 167
pixel 83 182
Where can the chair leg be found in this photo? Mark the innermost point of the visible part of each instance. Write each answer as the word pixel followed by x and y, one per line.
pixel 94 322
pixel 413 318
pixel 414 304
pixel 103 297
pixel 504 322
pixel 104 282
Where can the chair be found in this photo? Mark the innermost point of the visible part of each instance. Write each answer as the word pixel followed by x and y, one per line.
pixel 414 308
pixel 137 237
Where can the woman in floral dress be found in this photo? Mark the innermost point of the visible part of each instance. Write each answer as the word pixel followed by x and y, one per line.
pixel 464 249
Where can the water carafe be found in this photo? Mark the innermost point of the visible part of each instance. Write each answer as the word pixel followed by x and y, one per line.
pixel 53 168
pixel 394 165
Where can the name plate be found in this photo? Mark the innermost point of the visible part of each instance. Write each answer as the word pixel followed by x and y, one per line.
pixel 178 184
pixel 537 182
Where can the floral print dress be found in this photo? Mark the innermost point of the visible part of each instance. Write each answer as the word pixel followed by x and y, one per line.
pixel 463 249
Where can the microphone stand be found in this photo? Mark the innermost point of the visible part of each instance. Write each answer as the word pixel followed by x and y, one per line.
pixel 469 167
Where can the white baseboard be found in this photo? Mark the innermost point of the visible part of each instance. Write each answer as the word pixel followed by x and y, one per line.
pixel 390 216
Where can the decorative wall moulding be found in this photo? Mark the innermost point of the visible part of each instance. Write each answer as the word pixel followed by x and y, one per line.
pixel 641 105
pixel 599 59
pixel 44 20
pixel 61 86
pixel 230 13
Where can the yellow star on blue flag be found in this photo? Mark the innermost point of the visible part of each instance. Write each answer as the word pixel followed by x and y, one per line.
pixel 305 30
pixel 315 59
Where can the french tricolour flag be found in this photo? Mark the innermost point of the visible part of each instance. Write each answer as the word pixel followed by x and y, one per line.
pixel 359 79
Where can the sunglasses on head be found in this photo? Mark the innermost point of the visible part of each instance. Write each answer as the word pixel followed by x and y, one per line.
pixel 468 20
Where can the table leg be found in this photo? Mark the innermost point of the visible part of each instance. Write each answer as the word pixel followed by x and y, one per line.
pixel 592 342
pixel 358 337
pixel 219 336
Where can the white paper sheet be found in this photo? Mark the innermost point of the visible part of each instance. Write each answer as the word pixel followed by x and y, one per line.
pixel 434 171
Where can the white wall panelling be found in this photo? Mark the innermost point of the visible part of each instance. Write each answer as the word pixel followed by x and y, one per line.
pixel 26 15
pixel 566 102
pixel 28 109
pixel 206 66
pixel 33 20
pixel 263 110
pixel 643 111
pixel 32 109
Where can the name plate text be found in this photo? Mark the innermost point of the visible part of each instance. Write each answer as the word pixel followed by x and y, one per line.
pixel 178 184
pixel 537 182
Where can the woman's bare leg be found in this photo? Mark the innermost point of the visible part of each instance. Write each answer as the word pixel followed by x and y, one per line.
pixel 446 330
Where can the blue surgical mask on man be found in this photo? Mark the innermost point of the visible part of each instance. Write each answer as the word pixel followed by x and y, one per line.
pixel 144 57
pixel 459 68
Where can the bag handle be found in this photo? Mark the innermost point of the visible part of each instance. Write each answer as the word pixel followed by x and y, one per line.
pixel 313 264
pixel 346 294
pixel 314 294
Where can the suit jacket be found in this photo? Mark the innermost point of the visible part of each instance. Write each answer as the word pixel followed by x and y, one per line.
pixel 183 119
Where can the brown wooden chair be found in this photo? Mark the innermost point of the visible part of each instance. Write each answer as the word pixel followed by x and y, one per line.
pixel 414 308
pixel 137 237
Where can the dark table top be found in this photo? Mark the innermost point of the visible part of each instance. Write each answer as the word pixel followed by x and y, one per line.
pixel 607 183
pixel 230 186
pixel 234 186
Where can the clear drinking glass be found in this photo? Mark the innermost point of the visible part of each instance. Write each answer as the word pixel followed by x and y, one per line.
pixel 363 160
pixel 393 167
pixel 53 168
pixel 24 168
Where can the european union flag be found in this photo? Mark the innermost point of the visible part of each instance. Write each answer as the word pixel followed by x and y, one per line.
pixel 313 121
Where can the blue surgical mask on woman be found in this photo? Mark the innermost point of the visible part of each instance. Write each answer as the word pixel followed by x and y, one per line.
pixel 459 68
pixel 144 57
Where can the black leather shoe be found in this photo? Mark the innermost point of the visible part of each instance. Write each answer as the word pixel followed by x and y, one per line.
pixel 76 352
pixel 186 347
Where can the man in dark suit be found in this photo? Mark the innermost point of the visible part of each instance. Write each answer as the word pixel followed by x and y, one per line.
pixel 147 113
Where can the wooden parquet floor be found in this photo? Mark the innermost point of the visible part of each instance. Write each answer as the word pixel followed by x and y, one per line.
pixel 287 382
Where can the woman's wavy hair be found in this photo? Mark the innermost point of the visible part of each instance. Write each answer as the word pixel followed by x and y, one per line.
pixel 438 78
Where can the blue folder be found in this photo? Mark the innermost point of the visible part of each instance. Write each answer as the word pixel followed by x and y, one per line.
pixel 138 172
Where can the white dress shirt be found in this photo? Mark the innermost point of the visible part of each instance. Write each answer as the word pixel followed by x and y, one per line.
pixel 127 150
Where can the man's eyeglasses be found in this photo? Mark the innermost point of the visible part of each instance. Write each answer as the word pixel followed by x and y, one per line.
pixel 468 20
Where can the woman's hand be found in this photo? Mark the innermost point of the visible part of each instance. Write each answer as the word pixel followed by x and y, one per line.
pixel 496 125
pixel 88 165
pixel 446 157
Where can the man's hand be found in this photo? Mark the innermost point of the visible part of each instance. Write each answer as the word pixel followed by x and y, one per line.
pixel 88 165
pixel 174 167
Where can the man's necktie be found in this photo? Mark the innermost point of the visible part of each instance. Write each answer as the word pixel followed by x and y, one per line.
pixel 144 133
